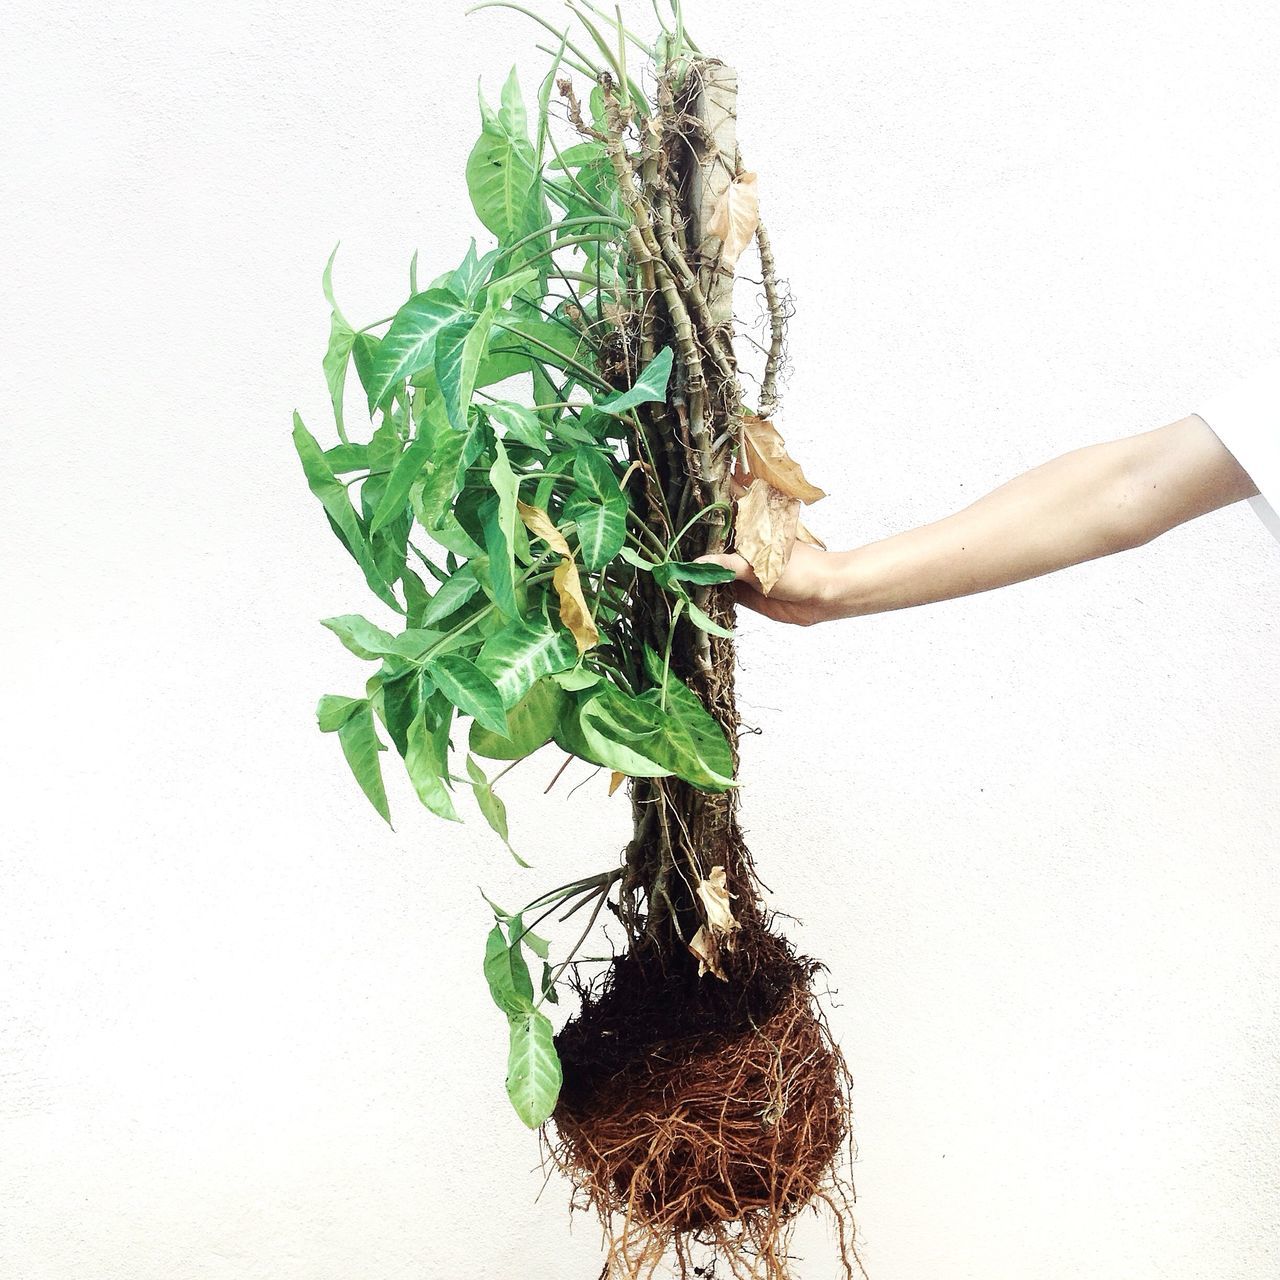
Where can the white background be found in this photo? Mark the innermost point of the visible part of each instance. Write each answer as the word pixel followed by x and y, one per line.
pixel 243 1029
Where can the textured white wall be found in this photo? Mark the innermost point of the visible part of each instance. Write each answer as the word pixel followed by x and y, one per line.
pixel 244 1031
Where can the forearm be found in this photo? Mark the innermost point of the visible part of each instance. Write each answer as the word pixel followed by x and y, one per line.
pixel 1088 503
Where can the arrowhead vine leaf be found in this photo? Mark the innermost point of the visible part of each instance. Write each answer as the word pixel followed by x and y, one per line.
pixel 409 346
pixel 361 746
pixel 494 811
pixel 533 1069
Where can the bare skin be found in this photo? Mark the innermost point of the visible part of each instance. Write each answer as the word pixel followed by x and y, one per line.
pixel 1085 504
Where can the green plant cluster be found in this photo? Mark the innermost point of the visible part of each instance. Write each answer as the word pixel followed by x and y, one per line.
pixel 435 509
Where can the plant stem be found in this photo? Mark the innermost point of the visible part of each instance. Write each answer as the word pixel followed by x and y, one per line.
pixel 577 946
pixel 528 13
pixel 582 221
pixel 584 373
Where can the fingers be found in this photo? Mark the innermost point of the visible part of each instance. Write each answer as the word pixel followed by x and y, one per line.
pixel 742 571
pixel 778 610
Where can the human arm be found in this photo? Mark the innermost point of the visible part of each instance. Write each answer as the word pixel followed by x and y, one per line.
pixel 1085 504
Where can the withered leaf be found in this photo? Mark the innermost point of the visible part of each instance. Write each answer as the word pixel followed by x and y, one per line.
pixel 616 780
pixel 713 893
pixel 703 945
pixel 766 530
pixel 735 217
pixel 539 524
pixel 573 607
pixel 768 459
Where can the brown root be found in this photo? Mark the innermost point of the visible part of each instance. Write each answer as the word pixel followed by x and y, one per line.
pixel 700 1117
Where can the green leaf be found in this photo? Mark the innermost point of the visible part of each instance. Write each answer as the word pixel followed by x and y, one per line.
pixel 502 290
pixel 364 352
pixel 451 535
pixel 501 173
pixel 634 558
pixel 530 724
pixel 347 457
pixel 700 619
pixel 579 154
pixel 642 738
pixel 361 636
pixel 445 478
pixel 459 347
pixel 501 558
pixel 594 476
pixel 416 596
pixel 326 282
pixel 697 740
pixel 689 571
pixel 522 652
pixel 598 731
pixel 539 946
pixel 548 986
pixel 468 279
pixel 360 745
pixel 577 678
pixel 470 690
pixel 336 359
pixel 507 975
pixel 524 344
pixel 333 711
pixel 450 343
pixel 399 699
pixel 598 508
pixel 495 814
pixel 533 1068
pixel 426 762
pixel 519 423
pixel 502 552
pixel 545 341
pixel 342 515
pixel 673 574
pixel 371 642
pixel 407 469
pixel 512 113
pixel 454 592
pixel 650 385
pixel 409 344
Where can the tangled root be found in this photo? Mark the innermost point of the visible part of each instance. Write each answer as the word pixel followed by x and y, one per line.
pixel 711 1139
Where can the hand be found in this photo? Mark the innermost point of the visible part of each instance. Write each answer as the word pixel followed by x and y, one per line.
pixel 803 595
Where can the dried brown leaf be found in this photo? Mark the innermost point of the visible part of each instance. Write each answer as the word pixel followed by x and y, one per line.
pixel 616 780
pixel 768 459
pixel 539 524
pixel 704 946
pixel 573 607
pixel 766 530
pixel 713 893
pixel 735 217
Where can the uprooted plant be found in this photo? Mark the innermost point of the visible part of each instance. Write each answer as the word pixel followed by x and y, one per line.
pixel 563 418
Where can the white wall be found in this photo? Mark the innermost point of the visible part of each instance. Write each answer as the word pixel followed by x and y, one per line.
pixel 245 1035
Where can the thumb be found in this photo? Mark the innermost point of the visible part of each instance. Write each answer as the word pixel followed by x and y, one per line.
pixel 742 571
